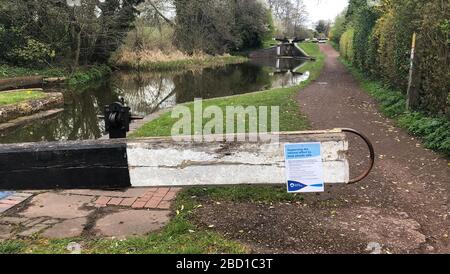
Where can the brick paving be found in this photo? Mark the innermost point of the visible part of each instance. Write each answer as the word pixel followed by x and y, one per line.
pixel 152 198
pixel 63 214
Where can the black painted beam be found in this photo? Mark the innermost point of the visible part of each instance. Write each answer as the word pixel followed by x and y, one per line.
pixel 71 165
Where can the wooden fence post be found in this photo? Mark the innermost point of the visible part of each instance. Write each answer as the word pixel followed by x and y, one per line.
pixel 413 81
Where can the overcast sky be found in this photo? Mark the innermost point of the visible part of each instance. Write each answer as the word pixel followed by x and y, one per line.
pixel 324 9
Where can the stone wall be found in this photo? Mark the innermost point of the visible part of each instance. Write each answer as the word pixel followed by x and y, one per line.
pixel 26 108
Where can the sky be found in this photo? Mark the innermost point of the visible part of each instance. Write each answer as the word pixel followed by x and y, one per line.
pixel 323 9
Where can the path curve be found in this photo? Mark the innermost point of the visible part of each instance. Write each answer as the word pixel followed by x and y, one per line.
pixel 406 196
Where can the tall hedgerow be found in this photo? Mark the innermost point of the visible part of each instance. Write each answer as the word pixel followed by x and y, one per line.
pixel 434 56
pixel 346 44
pixel 378 42
pixel 364 21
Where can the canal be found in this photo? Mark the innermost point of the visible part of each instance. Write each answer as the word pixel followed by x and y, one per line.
pixel 148 92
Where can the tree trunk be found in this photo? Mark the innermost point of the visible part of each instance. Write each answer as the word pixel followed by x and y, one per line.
pixel 78 49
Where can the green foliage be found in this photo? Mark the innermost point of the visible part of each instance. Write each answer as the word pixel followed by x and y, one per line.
pixel 382 45
pixel 9 71
pixel 11 247
pixel 433 52
pixel 322 27
pixel 20 49
pixel 32 54
pixel 364 21
pixel 35 32
pixel 338 29
pixel 346 44
pixel 86 76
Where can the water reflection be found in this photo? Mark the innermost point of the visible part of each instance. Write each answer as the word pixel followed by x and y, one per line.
pixel 147 92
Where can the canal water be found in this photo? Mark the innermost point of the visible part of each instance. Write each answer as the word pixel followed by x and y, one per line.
pixel 148 92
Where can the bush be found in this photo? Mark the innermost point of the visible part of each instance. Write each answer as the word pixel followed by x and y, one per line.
pixel 363 24
pixel 338 29
pixel 346 44
pixel 19 49
pixel 33 53
pixel 84 77
pixel 433 56
pixel 381 47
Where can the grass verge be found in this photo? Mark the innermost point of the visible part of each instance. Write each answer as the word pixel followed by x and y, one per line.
pixel 9 98
pixel 434 131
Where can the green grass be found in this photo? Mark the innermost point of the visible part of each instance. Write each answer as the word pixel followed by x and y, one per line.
pixel 12 247
pixel 11 71
pixel 269 43
pixel 434 131
pixel 86 76
pixel 9 98
pixel 185 64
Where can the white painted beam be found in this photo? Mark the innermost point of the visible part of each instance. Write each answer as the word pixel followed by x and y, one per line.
pixel 163 162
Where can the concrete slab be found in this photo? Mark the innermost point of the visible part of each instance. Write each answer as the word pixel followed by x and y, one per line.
pixel 12 220
pixel 33 230
pixel 34 221
pixel 57 205
pixel 67 229
pixel 131 223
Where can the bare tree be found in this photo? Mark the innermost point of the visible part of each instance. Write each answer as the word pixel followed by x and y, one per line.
pixel 290 16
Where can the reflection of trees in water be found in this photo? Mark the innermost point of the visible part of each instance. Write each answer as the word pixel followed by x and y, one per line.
pixel 282 71
pixel 288 79
pixel 145 92
pixel 219 82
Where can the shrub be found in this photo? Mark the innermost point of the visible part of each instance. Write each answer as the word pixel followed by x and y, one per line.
pixel 363 24
pixel 346 44
pixel 84 77
pixel 338 28
pixel 433 56
pixel 33 53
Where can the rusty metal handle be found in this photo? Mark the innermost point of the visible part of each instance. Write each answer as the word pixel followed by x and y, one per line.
pixel 371 150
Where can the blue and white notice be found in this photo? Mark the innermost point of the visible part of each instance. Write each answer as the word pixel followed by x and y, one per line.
pixel 304 167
